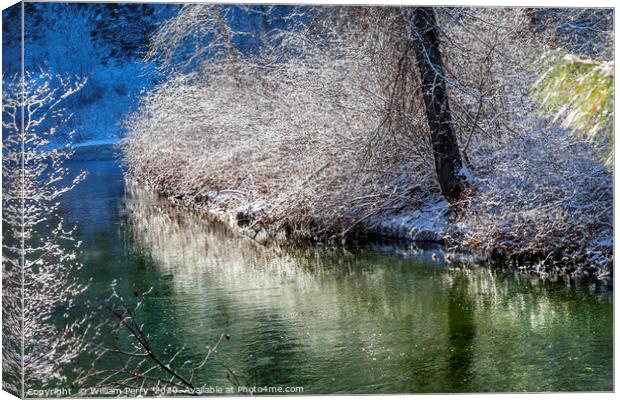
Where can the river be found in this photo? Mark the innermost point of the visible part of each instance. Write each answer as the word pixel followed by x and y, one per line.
pixel 379 318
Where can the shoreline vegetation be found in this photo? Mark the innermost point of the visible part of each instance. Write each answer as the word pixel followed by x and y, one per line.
pixel 432 226
pixel 569 257
pixel 331 131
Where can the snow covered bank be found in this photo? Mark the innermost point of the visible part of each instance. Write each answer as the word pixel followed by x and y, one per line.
pixel 463 241
pixel 427 225
pixel 543 203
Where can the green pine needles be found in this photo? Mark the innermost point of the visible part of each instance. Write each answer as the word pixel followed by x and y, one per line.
pixel 579 93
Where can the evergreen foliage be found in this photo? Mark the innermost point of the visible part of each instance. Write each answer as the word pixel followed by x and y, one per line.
pixel 579 94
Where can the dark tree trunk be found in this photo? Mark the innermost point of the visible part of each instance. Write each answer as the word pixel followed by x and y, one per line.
pixel 425 42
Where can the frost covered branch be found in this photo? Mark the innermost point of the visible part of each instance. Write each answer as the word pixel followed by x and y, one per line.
pixel 39 253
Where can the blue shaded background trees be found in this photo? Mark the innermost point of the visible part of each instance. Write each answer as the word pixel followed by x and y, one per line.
pixel 107 43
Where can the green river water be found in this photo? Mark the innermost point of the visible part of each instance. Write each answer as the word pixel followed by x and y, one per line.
pixel 371 319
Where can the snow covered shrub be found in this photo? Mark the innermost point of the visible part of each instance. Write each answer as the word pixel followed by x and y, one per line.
pixel 294 140
pixel 324 129
pixel 544 199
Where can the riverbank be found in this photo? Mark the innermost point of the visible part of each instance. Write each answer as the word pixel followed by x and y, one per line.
pixel 491 237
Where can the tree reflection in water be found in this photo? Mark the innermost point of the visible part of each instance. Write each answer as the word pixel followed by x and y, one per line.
pixel 461 333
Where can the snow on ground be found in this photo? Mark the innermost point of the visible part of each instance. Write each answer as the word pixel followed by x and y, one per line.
pixel 427 225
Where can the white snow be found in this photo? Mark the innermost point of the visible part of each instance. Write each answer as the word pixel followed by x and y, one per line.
pixel 426 225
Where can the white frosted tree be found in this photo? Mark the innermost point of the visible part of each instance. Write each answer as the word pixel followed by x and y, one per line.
pixel 187 31
pixel 39 259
